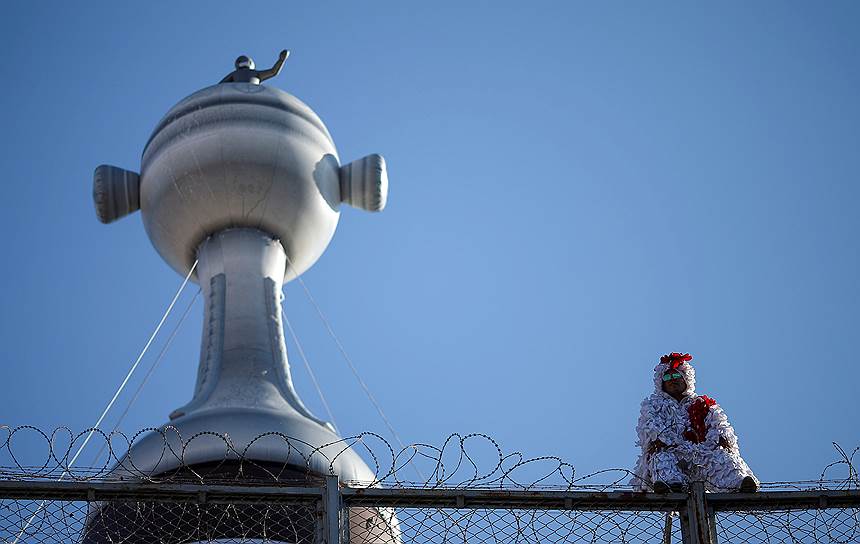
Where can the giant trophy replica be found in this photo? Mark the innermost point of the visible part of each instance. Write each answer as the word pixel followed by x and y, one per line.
pixel 244 180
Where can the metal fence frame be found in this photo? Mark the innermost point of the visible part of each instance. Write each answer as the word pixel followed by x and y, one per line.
pixel 697 508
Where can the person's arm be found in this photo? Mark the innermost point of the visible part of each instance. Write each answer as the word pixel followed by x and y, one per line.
pixel 276 69
pixel 720 432
pixel 653 431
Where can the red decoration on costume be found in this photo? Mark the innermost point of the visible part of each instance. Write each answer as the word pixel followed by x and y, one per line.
pixel 675 359
pixel 697 413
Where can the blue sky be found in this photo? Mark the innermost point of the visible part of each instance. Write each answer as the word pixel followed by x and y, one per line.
pixel 576 188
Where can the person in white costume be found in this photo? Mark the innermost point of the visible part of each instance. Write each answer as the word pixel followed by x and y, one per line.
pixel 686 437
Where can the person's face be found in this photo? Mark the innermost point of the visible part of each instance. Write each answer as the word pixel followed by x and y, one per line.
pixel 673 383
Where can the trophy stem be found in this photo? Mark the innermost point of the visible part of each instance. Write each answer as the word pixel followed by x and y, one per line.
pixel 243 357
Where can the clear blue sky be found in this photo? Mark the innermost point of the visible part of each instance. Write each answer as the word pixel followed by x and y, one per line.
pixel 576 188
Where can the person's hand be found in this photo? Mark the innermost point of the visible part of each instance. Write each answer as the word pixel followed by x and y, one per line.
pixel 284 54
pixel 655 446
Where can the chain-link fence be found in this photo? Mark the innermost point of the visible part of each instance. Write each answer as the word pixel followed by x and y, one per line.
pixel 468 491
pixel 156 521
pixel 136 512
pixel 790 525
pixel 105 512
pixel 798 517
pixel 515 523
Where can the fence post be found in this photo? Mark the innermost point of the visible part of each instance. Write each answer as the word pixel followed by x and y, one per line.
pixel 331 520
pixel 667 528
pixel 697 521
pixel 689 524
pixel 712 523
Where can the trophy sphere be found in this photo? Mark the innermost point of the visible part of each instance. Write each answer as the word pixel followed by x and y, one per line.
pixel 239 155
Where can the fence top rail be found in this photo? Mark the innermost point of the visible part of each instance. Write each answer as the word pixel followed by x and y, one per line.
pixel 582 500
pixel 784 500
pixel 509 498
pixel 426 498
pixel 145 491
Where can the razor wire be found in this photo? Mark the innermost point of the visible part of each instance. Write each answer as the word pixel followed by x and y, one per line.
pixel 476 492
pixel 467 461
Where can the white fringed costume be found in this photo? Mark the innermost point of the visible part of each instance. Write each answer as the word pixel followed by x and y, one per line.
pixel 692 429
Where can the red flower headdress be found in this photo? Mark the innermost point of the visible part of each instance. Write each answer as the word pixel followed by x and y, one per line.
pixel 674 360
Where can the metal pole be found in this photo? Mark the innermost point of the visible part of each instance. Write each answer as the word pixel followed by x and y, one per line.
pixel 697 526
pixel 667 528
pixel 331 528
pixel 689 527
pixel 712 523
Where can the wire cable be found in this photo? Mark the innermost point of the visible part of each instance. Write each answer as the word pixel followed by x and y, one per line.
pixel 309 369
pixel 133 367
pixel 115 396
pixel 149 373
pixel 351 365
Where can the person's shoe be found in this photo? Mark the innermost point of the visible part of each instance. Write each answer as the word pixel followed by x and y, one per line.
pixel 748 485
pixel 661 487
pixel 677 487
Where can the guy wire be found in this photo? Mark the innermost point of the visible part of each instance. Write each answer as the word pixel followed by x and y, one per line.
pixel 149 372
pixel 351 365
pixel 308 367
pixel 115 396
